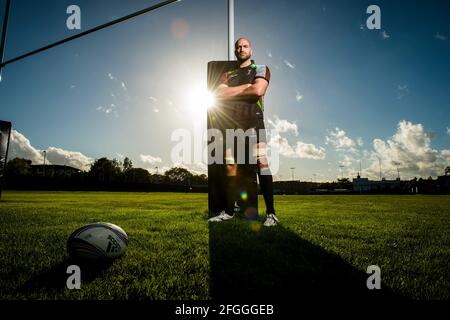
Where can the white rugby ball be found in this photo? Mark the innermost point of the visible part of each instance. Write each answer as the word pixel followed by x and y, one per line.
pixel 97 241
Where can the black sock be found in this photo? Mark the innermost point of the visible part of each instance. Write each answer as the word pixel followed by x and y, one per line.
pixel 231 186
pixel 222 195
pixel 266 183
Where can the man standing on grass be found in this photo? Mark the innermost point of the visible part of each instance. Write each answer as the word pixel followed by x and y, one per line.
pixel 242 90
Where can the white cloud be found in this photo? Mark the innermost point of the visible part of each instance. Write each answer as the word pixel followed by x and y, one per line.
pixel 195 168
pixel 158 170
pixel 154 106
pixel 446 156
pixel 301 149
pixel 402 90
pixel 149 159
pixel 309 151
pixel 298 97
pixel 290 65
pixel 384 35
pixel 111 109
pixel 440 36
pixel 339 139
pixel 118 91
pixel 282 125
pixel 68 158
pixel 448 131
pixel 359 141
pixel 20 147
pixel 347 161
pixel 411 147
pixel 284 148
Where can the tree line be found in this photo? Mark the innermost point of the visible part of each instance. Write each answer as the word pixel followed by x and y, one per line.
pixel 102 172
pixel 107 174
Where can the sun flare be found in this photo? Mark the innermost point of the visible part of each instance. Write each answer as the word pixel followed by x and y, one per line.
pixel 199 99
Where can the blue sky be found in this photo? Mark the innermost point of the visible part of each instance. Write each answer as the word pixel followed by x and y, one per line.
pixel 339 93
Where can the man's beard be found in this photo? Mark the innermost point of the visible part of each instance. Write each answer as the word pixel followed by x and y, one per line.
pixel 243 58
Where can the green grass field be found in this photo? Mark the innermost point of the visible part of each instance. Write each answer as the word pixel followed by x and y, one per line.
pixel 323 246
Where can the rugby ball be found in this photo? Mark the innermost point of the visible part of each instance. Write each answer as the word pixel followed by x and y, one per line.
pixel 97 241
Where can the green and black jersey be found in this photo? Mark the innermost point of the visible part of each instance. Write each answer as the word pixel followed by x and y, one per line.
pixel 245 110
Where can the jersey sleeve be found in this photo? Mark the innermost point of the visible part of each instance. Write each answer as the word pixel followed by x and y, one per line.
pixel 262 71
pixel 224 78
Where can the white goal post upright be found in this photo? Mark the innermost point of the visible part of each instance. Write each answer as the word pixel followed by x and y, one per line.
pixel 230 30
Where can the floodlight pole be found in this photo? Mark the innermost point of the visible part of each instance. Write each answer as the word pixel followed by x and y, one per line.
pixel 379 161
pixel 230 29
pixel 45 155
pixel 360 170
pixel 342 171
pixel 398 171
pixel 5 28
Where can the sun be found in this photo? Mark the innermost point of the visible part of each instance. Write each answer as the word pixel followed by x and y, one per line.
pixel 198 100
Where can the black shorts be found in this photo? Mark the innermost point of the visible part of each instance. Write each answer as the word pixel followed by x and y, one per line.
pixel 256 124
pixel 256 127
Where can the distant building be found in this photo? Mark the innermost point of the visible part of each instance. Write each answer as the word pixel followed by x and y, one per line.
pixel 443 182
pixel 366 185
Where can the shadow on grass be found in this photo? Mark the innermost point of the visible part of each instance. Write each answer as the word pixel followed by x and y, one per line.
pixel 55 277
pixel 250 261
